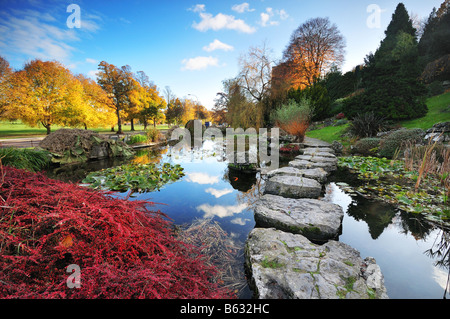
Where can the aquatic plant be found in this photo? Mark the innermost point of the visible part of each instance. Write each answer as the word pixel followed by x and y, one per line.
pixel 138 138
pixel 123 249
pixel 390 181
pixel 139 178
pixel 29 159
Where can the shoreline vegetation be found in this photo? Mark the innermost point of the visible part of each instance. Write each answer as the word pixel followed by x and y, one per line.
pixel 125 249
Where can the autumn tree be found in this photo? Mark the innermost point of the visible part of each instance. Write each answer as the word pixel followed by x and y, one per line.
pixel 314 47
pixel 118 84
pixel 45 93
pixel 5 75
pixel 256 72
pixel 174 111
pixel 98 106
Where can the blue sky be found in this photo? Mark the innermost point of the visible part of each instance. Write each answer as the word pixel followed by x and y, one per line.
pixel 191 46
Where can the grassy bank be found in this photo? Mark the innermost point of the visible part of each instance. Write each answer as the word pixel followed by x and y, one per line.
pixel 438 111
pixel 17 129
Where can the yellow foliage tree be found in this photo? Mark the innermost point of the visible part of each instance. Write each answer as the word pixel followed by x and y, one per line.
pixel 98 108
pixel 45 93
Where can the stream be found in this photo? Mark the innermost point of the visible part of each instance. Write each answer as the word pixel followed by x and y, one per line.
pixel 408 250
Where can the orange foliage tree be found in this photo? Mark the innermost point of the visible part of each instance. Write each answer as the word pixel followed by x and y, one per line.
pixel 45 93
pixel 313 49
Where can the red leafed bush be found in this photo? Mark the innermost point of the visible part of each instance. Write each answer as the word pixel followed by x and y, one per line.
pixel 290 148
pixel 123 249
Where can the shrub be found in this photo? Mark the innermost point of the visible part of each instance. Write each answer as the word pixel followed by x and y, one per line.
pixel 367 125
pixel 367 146
pixel 153 134
pixel 294 117
pixel 398 140
pixel 29 159
pixel 123 249
pixel 340 116
pixel 138 138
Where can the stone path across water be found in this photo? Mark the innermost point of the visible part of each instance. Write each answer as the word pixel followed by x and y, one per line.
pixel 292 253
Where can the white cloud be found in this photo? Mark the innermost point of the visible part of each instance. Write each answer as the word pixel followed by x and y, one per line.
pixel 201 178
pixel 219 22
pixel 92 61
pixel 241 8
pixel 283 14
pixel 240 221
pixel 199 63
pixel 218 45
pixel 266 18
pixel 93 74
pixel 33 36
pixel 220 210
pixel 37 35
pixel 218 192
pixel 198 8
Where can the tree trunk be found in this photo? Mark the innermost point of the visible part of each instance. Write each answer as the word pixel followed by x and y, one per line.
pixel 119 121
pixel 132 125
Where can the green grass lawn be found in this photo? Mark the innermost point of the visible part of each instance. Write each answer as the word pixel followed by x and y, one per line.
pixel 329 134
pixel 438 111
pixel 17 129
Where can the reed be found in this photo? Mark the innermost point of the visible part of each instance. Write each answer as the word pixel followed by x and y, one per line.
pixel 23 158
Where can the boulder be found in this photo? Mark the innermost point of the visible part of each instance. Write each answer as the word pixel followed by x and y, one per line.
pixel 318 174
pixel 288 266
pixel 317 159
pixel 293 187
pixel 302 164
pixel 317 220
pixel 314 150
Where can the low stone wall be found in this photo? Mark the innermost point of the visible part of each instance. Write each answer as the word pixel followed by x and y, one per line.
pixel 293 253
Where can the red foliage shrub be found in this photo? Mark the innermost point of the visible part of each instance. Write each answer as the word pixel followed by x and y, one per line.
pixel 340 116
pixel 123 249
pixel 290 148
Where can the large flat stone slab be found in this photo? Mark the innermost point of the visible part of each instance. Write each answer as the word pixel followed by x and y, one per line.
pixel 293 187
pixel 316 150
pixel 318 174
pixel 303 164
pixel 317 220
pixel 289 266
pixel 317 159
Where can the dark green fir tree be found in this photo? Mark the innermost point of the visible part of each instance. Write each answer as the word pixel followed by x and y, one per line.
pixel 391 75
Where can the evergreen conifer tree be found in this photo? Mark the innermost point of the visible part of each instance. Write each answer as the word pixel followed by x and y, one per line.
pixel 391 75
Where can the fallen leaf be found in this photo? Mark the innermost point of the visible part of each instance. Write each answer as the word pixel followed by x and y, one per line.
pixel 67 242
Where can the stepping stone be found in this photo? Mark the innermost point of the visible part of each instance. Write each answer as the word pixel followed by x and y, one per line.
pixel 302 164
pixel 315 150
pixel 318 174
pixel 317 159
pixel 317 220
pixel 293 187
pixel 288 266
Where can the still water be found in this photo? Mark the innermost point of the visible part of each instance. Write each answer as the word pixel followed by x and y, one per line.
pixel 405 247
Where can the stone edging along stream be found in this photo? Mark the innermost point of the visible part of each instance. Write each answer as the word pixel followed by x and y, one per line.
pixel 292 253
